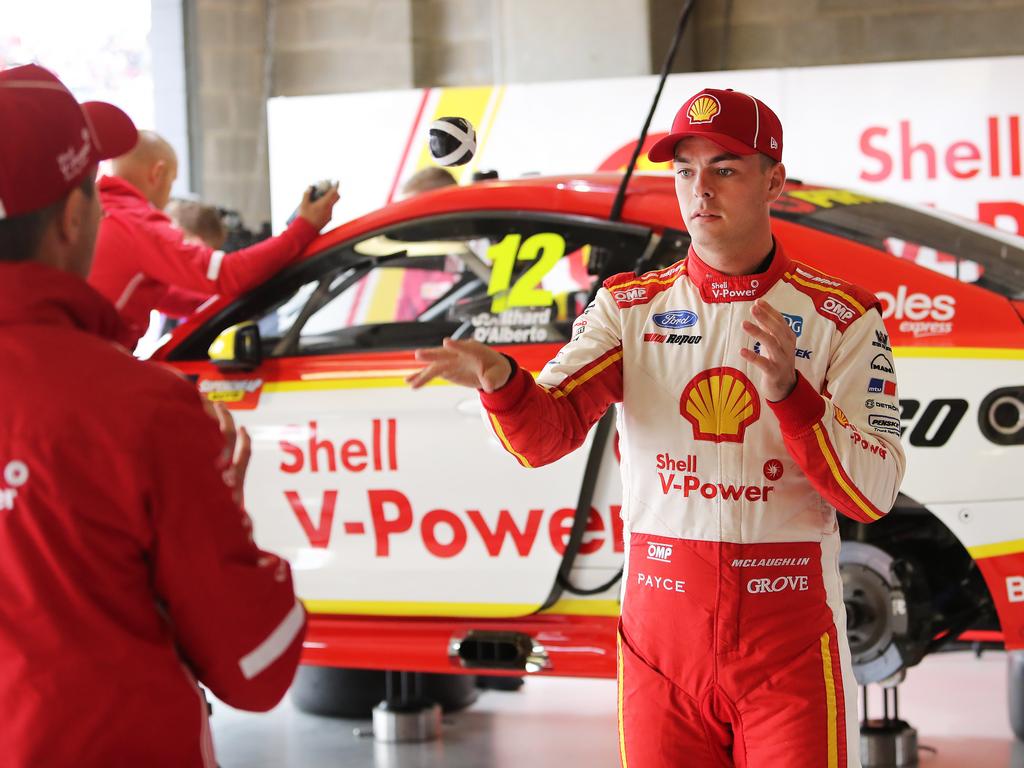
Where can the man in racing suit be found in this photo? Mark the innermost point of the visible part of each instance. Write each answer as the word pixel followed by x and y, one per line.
pixel 127 564
pixel 143 260
pixel 744 379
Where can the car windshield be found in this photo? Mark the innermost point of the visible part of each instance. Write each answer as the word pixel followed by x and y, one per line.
pixel 957 248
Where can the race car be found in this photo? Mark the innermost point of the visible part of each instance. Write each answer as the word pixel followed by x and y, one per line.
pixel 419 544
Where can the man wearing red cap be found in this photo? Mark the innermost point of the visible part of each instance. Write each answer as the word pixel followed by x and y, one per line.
pixel 144 262
pixel 127 564
pixel 738 448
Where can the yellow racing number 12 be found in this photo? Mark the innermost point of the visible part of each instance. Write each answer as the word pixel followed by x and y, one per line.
pixel 549 246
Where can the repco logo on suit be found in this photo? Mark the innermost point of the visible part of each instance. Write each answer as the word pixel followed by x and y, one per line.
pixel 671 338
pixel 780 584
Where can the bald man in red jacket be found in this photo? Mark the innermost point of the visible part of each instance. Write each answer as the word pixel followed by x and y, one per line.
pixel 142 260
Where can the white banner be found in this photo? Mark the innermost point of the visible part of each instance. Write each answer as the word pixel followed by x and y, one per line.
pixel 942 133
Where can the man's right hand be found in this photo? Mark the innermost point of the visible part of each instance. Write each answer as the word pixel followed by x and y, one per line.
pixel 318 212
pixel 234 458
pixel 466 363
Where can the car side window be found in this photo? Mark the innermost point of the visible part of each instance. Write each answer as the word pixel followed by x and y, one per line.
pixel 387 305
pixel 497 278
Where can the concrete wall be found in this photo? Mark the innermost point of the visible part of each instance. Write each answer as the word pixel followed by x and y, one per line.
pixel 749 34
pixel 330 46
pixel 229 144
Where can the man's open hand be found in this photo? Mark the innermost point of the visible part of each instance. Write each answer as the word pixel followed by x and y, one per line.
pixel 466 363
pixel 777 360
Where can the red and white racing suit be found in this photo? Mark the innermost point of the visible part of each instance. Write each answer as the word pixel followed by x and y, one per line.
pixel 143 262
pixel 732 646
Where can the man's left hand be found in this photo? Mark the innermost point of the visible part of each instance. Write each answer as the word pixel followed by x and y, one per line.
pixel 777 359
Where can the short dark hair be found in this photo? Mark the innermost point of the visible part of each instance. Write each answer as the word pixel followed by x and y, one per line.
pixel 198 220
pixel 20 235
pixel 767 163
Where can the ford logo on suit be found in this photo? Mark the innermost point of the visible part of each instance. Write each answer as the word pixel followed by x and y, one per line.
pixel 677 318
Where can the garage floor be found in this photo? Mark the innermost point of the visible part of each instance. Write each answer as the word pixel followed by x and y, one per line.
pixel 956 701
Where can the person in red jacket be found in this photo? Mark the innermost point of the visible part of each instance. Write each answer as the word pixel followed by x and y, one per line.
pixel 128 570
pixel 143 261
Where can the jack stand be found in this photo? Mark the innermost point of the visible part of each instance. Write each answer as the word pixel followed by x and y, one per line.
pixel 889 742
pixel 405 716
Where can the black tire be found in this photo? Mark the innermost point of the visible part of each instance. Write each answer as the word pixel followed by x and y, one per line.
pixel 1015 691
pixel 353 693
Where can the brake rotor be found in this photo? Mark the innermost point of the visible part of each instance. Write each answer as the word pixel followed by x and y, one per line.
pixel 888 614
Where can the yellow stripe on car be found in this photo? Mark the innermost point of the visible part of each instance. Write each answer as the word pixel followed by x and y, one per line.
pixel 964 353
pixel 375 608
pixel 607 608
pixel 998 549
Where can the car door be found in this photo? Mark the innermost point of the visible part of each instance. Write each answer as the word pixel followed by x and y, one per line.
pixel 391 501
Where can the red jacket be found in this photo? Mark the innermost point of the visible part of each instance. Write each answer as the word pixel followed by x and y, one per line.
pixel 142 261
pixel 126 570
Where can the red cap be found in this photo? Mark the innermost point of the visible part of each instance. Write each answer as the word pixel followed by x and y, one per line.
pixel 737 122
pixel 50 141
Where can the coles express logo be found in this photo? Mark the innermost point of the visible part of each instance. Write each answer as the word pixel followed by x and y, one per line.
pixel 918 313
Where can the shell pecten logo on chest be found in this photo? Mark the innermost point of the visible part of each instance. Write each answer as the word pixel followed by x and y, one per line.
pixel 720 403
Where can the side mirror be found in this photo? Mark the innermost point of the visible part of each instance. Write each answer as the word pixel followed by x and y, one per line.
pixel 237 348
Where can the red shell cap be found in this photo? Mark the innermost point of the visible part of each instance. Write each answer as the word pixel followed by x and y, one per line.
pixel 735 121
pixel 50 141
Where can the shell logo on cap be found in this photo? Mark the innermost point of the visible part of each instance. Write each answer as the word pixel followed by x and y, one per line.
pixel 704 109
pixel 720 404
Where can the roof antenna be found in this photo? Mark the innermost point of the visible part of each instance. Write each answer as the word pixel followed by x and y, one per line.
pixel 620 197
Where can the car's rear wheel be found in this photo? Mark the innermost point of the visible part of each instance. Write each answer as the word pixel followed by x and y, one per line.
pixel 353 693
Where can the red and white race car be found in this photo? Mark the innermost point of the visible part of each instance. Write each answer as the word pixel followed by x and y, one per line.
pixel 419 544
